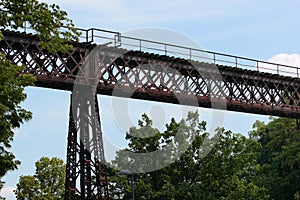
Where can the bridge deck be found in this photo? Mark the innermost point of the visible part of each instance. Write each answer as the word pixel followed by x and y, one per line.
pixel 155 77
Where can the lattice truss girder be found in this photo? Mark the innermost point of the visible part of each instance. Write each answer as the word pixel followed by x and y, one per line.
pixel 39 62
pixel 257 92
pixel 160 76
pixel 268 89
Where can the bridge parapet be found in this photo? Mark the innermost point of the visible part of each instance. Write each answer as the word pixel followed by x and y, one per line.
pixel 116 39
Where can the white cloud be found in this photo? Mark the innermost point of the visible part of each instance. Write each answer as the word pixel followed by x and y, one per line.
pixel 8 192
pixel 286 59
pixel 291 62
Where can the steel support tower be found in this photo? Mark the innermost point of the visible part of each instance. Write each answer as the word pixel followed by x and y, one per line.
pixel 86 176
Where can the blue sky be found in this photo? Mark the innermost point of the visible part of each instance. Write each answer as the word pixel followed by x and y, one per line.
pixel 264 30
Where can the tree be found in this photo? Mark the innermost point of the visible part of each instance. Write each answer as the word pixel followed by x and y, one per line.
pixel 279 157
pixel 219 167
pixel 47 182
pixel 46 21
pixel 12 85
pixel 230 168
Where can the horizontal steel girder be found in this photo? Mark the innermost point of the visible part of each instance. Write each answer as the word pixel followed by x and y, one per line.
pixel 155 77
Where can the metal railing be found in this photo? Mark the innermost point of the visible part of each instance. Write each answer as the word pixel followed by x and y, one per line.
pixel 100 36
pixel 116 39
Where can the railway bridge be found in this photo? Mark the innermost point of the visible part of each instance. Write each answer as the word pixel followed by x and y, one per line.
pixel 146 70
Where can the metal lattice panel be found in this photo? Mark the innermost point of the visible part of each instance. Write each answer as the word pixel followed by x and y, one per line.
pixel 150 77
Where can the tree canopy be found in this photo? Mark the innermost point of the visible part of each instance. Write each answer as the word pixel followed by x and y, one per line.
pixel 264 165
pixel 279 157
pixel 11 114
pixel 47 182
pixel 223 166
pixel 46 21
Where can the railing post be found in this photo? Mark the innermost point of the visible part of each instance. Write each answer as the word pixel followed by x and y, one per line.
pixel 190 54
pixel 87 35
pixel 214 58
pixel 117 40
pixel 277 69
pixel 140 42
pixel 165 49
pixel 92 35
pixel 257 66
pixel 236 64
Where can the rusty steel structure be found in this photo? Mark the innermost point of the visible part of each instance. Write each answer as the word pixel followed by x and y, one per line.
pixel 148 76
pixel 85 142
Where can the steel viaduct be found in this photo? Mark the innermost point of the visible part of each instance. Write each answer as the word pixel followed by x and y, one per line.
pixel 127 67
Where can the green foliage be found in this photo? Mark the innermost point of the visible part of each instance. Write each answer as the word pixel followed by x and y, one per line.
pixel 221 167
pixel 45 20
pixel 229 169
pixel 279 157
pixel 262 166
pixel 12 85
pixel 47 182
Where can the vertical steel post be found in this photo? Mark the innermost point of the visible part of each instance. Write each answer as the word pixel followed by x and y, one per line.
pixel 165 49
pixel 86 176
pixel 140 42
pixel 214 58
pixel 87 35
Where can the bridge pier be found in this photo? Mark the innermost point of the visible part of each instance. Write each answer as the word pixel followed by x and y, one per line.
pixel 86 176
